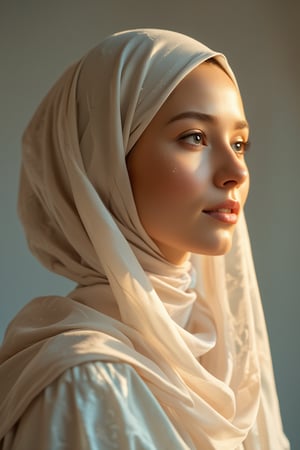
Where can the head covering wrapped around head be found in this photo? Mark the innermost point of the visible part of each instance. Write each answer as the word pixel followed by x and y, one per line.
pixel 119 86
pixel 195 332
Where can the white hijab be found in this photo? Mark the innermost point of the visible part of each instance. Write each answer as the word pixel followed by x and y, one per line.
pixel 195 333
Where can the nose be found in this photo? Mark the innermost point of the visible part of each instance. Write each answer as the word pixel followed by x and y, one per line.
pixel 231 169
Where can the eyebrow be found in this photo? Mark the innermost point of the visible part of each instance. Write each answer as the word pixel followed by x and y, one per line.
pixel 239 125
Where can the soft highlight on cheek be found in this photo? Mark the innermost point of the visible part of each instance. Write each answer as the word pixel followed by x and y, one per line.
pixel 191 175
pixel 180 177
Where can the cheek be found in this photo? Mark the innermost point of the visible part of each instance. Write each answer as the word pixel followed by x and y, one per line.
pixel 175 179
pixel 168 184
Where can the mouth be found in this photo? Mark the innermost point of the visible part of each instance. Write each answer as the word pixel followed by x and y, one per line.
pixel 227 212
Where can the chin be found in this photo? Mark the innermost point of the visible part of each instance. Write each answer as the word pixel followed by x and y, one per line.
pixel 222 251
pixel 216 247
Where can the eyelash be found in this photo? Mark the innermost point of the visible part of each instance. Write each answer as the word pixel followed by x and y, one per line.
pixel 245 147
pixel 199 134
pixel 201 140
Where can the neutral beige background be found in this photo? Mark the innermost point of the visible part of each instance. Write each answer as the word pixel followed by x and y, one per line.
pixel 261 38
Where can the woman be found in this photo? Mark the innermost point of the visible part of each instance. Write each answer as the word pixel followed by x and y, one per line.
pixel 133 184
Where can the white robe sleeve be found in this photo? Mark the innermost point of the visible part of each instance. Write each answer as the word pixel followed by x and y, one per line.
pixel 95 406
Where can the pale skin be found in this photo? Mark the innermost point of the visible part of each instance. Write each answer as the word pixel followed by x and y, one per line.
pixel 188 172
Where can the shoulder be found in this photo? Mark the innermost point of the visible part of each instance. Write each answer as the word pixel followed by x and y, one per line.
pixel 104 386
pixel 97 405
pixel 112 379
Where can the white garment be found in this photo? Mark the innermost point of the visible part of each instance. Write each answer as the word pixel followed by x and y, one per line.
pixel 95 406
pixel 194 333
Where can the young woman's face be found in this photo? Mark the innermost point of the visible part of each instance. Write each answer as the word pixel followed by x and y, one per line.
pixel 187 171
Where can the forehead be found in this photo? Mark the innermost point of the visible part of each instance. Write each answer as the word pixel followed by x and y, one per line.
pixel 207 88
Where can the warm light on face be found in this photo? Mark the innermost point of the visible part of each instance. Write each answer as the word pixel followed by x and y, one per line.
pixel 187 171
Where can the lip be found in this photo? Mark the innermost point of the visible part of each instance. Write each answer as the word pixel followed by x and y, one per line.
pixel 226 212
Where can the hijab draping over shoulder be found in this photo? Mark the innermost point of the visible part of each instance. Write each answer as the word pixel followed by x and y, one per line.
pixel 194 333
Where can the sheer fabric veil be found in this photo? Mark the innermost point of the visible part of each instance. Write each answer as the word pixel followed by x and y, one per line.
pixel 195 333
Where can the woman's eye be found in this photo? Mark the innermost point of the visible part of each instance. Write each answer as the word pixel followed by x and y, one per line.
pixel 240 147
pixel 194 138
